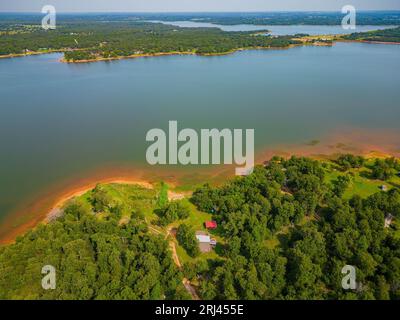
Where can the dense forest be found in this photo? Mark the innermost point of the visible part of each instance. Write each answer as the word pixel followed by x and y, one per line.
pixel 97 256
pixel 284 232
pixel 387 35
pixel 89 40
pixel 327 232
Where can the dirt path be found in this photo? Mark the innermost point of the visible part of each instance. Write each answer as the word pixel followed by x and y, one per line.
pixel 172 195
pixel 174 254
pixel 189 288
pixel 153 229
pixel 172 245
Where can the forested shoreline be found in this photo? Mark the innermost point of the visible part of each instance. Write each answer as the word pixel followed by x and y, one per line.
pixel 387 35
pixel 279 18
pixel 97 40
pixel 284 232
pixel 93 38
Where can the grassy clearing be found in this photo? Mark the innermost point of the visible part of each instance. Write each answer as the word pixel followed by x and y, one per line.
pixel 397 232
pixel 135 198
pixel 272 243
pixel 362 187
pixel 196 221
pixel 360 184
pixel 185 258
pixel 395 181
pixel 196 218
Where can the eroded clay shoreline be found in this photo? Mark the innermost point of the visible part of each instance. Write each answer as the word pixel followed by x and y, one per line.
pixel 44 210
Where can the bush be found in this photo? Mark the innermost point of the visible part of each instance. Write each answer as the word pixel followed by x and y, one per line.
pixel 101 200
pixel 175 210
pixel 348 161
pixel 187 239
pixel 383 169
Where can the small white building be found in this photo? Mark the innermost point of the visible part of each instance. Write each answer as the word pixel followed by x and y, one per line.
pixel 204 241
pixel 203 238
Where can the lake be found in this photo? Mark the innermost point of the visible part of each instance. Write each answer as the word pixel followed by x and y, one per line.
pixel 277 30
pixel 62 123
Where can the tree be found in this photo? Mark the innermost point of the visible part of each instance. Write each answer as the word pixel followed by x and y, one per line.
pixel 348 161
pixel 187 239
pixel 382 169
pixel 340 185
pixel 175 210
pixel 101 200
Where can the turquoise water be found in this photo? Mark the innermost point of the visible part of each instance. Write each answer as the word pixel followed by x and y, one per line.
pixel 62 120
pixel 276 30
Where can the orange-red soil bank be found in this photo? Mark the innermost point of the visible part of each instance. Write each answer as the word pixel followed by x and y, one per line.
pixel 368 143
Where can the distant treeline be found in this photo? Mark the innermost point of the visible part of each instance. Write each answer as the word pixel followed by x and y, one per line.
pixel 387 35
pixel 282 18
pixel 255 18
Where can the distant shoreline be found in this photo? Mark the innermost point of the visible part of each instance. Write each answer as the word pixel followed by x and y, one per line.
pixel 35 53
pixel 176 53
pixel 369 42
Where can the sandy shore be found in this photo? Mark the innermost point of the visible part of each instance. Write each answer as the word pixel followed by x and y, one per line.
pixel 82 190
pixel 35 53
pixel 47 214
pixel 56 210
pixel 133 56
pixel 176 53
pixel 46 210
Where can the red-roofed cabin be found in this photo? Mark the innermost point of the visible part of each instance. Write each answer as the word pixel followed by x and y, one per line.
pixel 211 224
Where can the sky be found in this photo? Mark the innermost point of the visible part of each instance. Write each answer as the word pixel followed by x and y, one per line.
pixel 194 5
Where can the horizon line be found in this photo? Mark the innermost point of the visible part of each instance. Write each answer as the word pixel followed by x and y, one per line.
pixel 204 12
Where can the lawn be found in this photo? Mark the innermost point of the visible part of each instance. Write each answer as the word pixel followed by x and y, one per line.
pixel 196 218
pixel 196 221
pixel 360 185
pixel 145 201
pixel 363 187
pixel 185 258
pixel 136 199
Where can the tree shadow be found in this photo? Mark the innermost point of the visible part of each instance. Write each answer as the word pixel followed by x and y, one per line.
pixel 220 249
pixel 367 175
pixel 284 240
pixel 216 232
pixel 394 184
